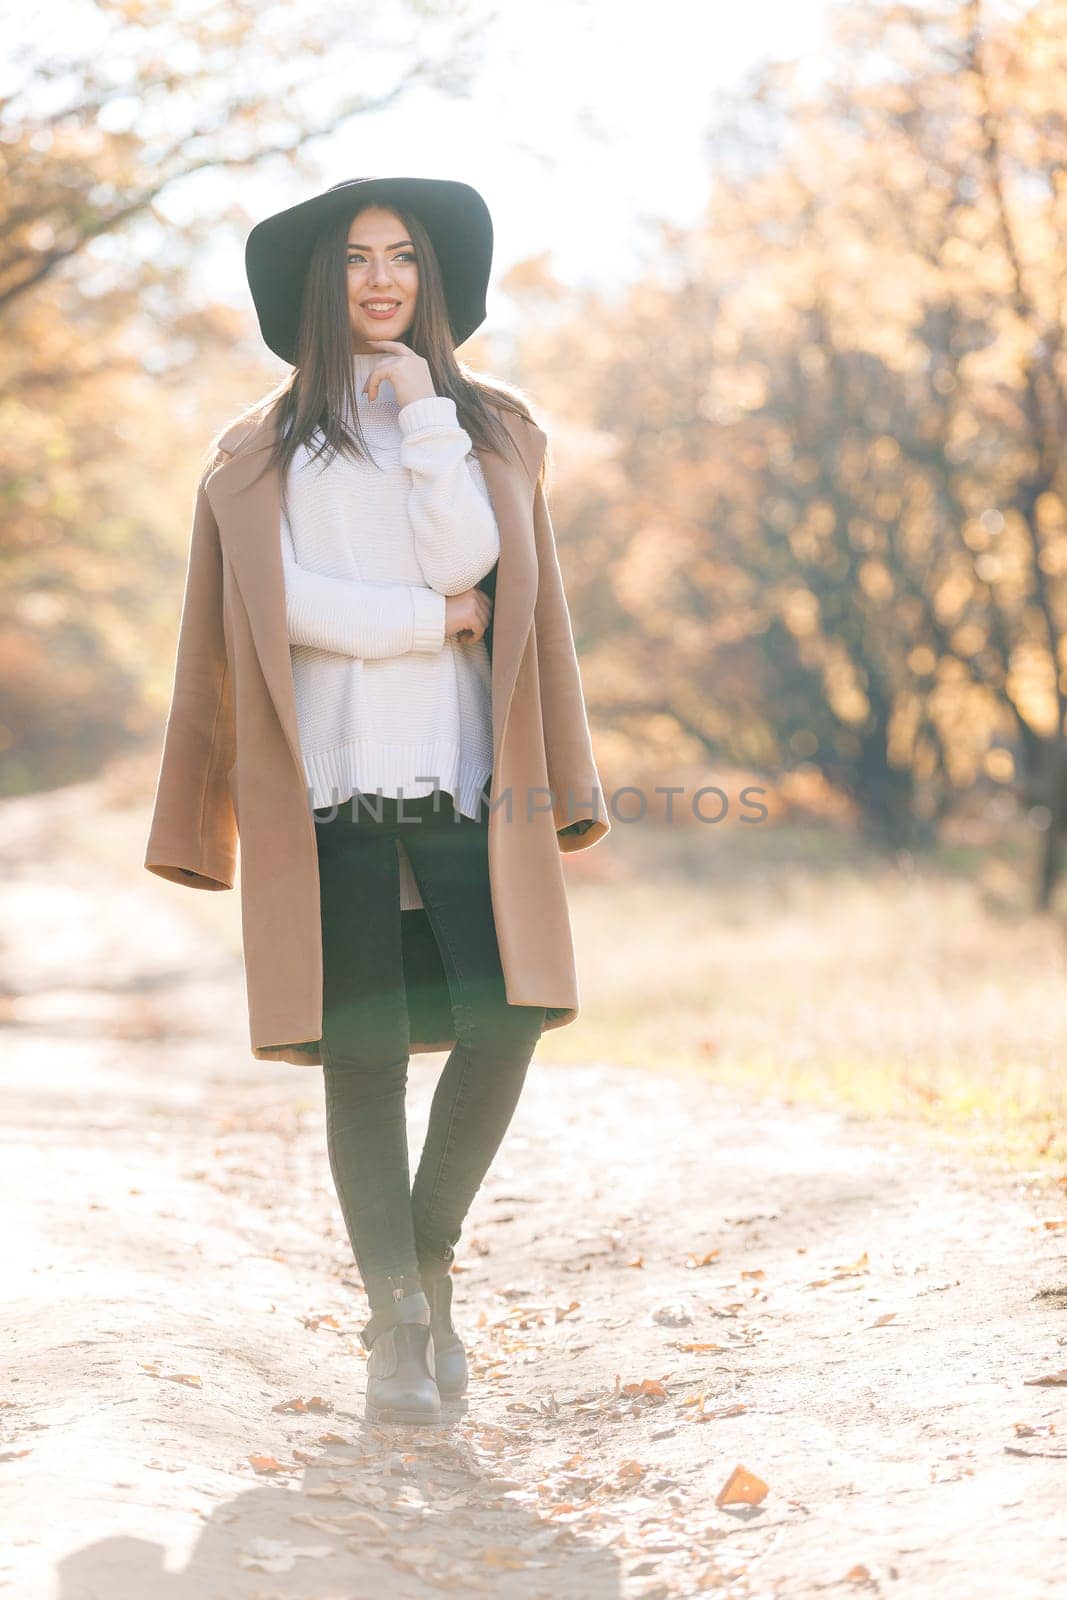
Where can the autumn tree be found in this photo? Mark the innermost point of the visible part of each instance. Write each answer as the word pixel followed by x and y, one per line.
pixel 124 141
pixel 837 538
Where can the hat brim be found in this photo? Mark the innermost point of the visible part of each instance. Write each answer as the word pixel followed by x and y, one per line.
pixel 278 249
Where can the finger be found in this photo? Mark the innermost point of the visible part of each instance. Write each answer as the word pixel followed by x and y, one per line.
pixel 375 377
pixel 371 385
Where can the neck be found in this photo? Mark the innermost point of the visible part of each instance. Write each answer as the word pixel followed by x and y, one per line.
pixel 369 347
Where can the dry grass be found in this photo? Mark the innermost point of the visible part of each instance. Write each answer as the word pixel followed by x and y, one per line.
pixel 791 962
pixel 785 961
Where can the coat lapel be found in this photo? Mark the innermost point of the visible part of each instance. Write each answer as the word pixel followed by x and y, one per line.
pixel 246 501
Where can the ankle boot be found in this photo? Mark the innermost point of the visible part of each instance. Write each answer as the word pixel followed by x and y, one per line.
pixel 450 1358
pixel 401 1386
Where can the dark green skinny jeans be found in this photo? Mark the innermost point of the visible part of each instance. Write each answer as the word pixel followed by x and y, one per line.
pixel 402 1231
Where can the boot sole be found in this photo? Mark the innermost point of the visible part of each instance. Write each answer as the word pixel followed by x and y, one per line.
pixel 390 1414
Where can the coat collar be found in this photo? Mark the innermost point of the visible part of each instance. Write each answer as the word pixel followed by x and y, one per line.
pixel 247 504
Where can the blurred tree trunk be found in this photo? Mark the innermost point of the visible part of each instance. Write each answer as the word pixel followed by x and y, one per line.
pixel 1045 787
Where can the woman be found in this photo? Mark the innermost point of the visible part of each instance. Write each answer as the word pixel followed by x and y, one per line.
pixel 390 547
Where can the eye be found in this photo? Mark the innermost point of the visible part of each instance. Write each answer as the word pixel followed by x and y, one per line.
pixel 401 255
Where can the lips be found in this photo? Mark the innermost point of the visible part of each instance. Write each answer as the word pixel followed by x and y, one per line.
pixel 370 308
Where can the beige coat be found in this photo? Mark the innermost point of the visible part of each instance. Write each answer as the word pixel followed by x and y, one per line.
pixel 231 763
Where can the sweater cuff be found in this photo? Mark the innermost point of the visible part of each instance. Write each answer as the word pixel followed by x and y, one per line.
pixel 428 633
pixel 436 411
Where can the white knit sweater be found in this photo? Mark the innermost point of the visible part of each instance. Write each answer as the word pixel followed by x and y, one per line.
pixel 383 699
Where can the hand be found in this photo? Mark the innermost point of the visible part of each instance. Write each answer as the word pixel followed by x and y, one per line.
pixel 467 614
pixel 408 373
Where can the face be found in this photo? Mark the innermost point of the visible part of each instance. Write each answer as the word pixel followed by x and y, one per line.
pixel 381 267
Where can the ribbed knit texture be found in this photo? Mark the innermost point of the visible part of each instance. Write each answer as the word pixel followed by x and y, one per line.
pixel 383 699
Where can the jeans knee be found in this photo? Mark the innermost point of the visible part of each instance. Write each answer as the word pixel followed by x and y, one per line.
pixel 497 1030
pixel 351 1072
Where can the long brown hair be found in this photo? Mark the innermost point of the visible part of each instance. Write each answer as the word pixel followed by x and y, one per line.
pixel 320 392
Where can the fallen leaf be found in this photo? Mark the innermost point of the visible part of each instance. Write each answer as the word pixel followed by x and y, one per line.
pixel 268 1464
pixel 677 1315
pixel 704 1260
pixel 277 1555
pixel 651 1386
pixel 742 1488
pixel 882 1320
pixel 715 1416
pixel 1052 1378
pixel 316 1403
pixel 506 1555
pixel 152 1368
pixel 339 1524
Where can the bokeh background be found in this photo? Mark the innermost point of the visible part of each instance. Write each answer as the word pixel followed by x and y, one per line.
pixel 785 285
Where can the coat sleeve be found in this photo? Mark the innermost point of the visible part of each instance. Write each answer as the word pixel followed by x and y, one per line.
pixel 579 806
pixel 193 833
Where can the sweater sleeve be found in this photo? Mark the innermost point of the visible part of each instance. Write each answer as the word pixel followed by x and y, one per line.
pixel 357 618
pixel 456 535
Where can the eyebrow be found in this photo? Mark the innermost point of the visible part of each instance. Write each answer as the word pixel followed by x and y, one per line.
pixel 396 246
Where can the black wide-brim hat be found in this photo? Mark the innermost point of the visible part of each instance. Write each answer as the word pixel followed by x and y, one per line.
pixel 278 250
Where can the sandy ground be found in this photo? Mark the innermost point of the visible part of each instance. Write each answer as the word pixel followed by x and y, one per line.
pixel 658 1285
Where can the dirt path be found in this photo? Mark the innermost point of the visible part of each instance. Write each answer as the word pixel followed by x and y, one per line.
pixel 658 1286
